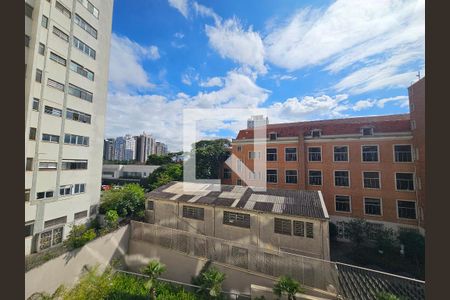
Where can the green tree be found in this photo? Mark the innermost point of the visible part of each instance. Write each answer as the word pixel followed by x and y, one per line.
pixel 210 281
pixel 357 231
pixel 153 270
pixel 165 174
pixel 79 235
pixel 159 160
pixel 385 239
pixel 209 155
pixel 128 202
pixel 112 219
pixel 287 285
pixel 414 244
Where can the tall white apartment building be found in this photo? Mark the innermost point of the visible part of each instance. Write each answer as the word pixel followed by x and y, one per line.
pixel 67 46
pixel 130 147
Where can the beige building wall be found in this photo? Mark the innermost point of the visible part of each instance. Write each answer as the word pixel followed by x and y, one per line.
pixel 37 211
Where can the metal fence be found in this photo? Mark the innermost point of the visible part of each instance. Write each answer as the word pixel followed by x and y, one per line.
pixel 341 279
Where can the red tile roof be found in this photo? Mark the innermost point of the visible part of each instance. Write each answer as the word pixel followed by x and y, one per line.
pixel 384 124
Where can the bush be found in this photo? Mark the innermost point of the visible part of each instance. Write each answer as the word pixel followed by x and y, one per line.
pixel 357 231
pixel 385 239
pixel 112 219
pixel 165 174
pixel 128 202
pixel 79 236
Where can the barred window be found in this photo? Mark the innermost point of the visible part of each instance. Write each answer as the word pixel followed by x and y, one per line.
pixel 309 230
pixel 403 153
pixel 80 215
pixel 93 209
pixel 315 154
pixel 340 153
pixel 55 57
pixel 78 116
pixel 39 75
pixel 299 228
pixel 291 176
pixel 371 180
pixel 342 203
pixel 406 209
pixel 404 181
pixel 290 154
pixel 85 25
pixel 44 21
pixel 53 111
pixel 236 219
pixel 76 139
pixel 282 226
pixel 80 93
pixel 83 47
pixel 65 11
pixel 271 176
pixel 367 131
pixel 81 70
pixel 271 154
pixel 150 205
pixel 370 153
pixel 341 178
pixel 59 33
pixel 74 164
pixel 372 206
pixel 51 238
pixel 192 212
pixel 50 138
pixel 55 84
pixel 315 177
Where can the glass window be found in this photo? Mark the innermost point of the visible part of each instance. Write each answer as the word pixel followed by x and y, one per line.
pixel 47 165
pixel 316 133
pixel 403 153
pixel 83 47
pixel 27 40
pixel 32 135
pixel 41 49
pixel 81 70
pixel 28 10
pixel 282 226
pixel 342 203
pixel 340 153
pixel 65 11
pixel 315 154
pixel 236 219
pixel 192 212
pixel 38 75
pixel 272 136
pixel 53 111
pixel 315 177
pixel 404 181
pixel 50 138
pixel 90 7
pixel 74 164
pixel 59 33
pixel 371 180
pixel 299 228
pixel 85 25
pixel 406 209
pixel 372 206
pixel 254 155
pixel 272 176
pixel 44 21
pixel 291 176
pixel 57 59
pixel 271 154
pixel 29 164
pixel 78 116
pixel 29 227
pixel 55 84
pixel 290 154
pixel 80 93
pixel 370 153
pixel 367 131
pixel 341 178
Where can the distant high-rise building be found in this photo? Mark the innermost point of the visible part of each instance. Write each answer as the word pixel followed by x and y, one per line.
pixel 256 121
pixel 160 148
pixel 144 147
pixel 119 148
pixel 108 149
pixel 130 147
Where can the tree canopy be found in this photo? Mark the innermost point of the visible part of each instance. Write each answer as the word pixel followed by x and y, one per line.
pixel 209 155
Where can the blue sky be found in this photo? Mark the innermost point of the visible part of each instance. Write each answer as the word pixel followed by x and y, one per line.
pixel 300 60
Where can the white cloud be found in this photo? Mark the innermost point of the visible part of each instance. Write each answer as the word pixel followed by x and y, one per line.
pixel 403 101
pixel 210 82
pixel 190 76
pixel 279 77
pixel 232 41
pixel 206 12
pixel 125 69
pixel 363 104
pixel 179 35
pixel 181 6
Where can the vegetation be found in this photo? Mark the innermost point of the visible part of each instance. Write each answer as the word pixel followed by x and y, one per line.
pixel 153 270
pixel 111 219
pixel 79 236
pixel 128 201
pixel 165 174
pixel 387 296
pixel 287 286
pixel 209 155
pixel 159 160
pixel 357 231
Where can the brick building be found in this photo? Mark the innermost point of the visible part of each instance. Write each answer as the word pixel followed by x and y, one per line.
pixel 367 167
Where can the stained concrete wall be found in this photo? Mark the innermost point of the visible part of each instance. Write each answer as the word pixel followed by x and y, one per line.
pixel 67 268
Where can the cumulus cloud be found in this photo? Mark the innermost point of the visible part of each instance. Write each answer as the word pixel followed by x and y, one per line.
pixel 210 82
pixel 125 69
pixel 363 104
pixel 181 6
pixel 232 41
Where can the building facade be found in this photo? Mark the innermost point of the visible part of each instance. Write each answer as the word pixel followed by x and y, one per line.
pixel 121 174
pixel 145 145
pixel 130 148
pixel 108 149
pixel 66 73
pixel 160 148
pixel 119 148
pixel 369 167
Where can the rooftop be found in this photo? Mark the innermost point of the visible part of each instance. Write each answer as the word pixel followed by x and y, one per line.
pixel 276 201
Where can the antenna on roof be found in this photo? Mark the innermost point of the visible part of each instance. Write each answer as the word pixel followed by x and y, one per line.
pixel 418 74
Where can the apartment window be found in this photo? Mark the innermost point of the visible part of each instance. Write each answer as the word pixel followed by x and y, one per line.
pixel 41 49
pixel 239 148
pixel 236 219
pixel 316 133
pixel 79 188
pixel 238 182
pixel 271 154
pixel 93 209
pixel 27 195
pixel 50 138
pixel 44 195
pixel 299 228
pixel 85 25
pixel 38 75
pixel 315 154
pixel 28 10
pixel 65 190
pixel 254 155
pixel 48 165
pixel 29 226
pixel 272 176
pixel 372 206
pixel 55 222
pixel 27 40
pixel 90 7
pixel 273 136
pixel 51 238
pixel 76 139
pixel 341 178
pixel 59 33
pixel 78 116
pixel 35 104
pixel 342 231
pixel 343 203
pixel 150 205
pixel 370 153
pixel 367 131
pixel 65 11
pixel 80 215
pixel 57 59
pixel 53 111
pixel 291 176
pixel 44 21
pixel 340 153
pixel 404 181
pixel 403 153
pixel 83 47
pixel 309 230
pixel 371 180
pixel 290 154
pixel 55 84
pixel 74 164
pixel 406 209
pixel 80 93
pixel 192 212
pixel 226 173
pixel 29 164
pixel 32 134
pixel 315 177
pixel 81 70
pixel 282 226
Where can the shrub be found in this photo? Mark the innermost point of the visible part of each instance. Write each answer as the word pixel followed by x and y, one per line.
pixel 127 202
pixel 210 282
pixel 79 236
pixel 165 174
pixel 357 231
pixel 112 219
pixel 153 270
pixel 287 285
pixel 385 239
